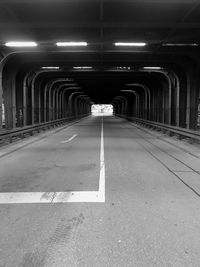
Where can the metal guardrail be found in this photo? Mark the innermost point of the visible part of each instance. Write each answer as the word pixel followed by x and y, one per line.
pixel 21 132
pixel 166 128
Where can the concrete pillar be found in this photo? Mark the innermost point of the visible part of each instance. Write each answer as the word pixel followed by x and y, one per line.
pixel 83 106
pixel 79 100
pixel 1 97
pixel 55 105
pixel 193 84
pixel 73 107
pixel 153 105
pixel 65 101
pixel 137 104
pixel 32 106
pixel 163 105
pixel 25 88
pixel 167 91
pixel 61 115
pixel 188 111
pixel 39 103
pixel 177 101
pixel 36 98
pixel 50 103
pixel 13 90
pixel 170 102
pixel 9 76
pixel 45 103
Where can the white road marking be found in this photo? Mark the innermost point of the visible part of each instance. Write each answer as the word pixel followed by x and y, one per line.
pixel 62 197
pixel 49 197
pixel 68 140
pixel 102 167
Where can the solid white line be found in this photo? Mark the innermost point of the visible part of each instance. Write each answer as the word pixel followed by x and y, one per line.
pixel 68 140
pixel 102 167
pixel 49 197
pixel 62 197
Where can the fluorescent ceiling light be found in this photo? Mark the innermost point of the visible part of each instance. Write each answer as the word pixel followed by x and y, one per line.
pixel 71 43
pixel 21 44
pixel 130 44
pixel 180 44
pixel 50 68
pixel 152 68
pixel 82 68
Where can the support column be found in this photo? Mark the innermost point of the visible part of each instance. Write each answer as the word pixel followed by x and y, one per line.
pixel 9 98
pixel 25 100
pixel 54 106
pixel 163 106
pixel 39 103
pixel 32 104
pixel 192 98
pixel 1 97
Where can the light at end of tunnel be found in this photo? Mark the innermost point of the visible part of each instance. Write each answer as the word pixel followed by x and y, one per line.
pixel 129 44
pixel 50 68
pixel 152 68
pixel 71 44
pixel 82 67
pixel 102 110
pixel 21 44
pixel 180 44
pixel 123 68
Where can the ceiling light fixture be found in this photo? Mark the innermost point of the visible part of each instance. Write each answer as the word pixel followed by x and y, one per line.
pixel 71 44
pixel 21 44
pixel 50 68
pixel 82 68
pixel 152 68
pixel 180 44
pixel 129 44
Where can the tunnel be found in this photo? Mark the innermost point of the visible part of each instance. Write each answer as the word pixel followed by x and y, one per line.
pixel 99 133
pixel 38 87
pixel 162 72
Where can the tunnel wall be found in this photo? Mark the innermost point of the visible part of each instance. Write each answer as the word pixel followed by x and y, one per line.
pixel 30 99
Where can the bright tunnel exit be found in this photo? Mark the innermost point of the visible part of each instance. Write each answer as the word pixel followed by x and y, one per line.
pixel 102 110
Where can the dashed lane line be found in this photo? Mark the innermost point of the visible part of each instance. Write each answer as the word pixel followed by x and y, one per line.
pixel 68 140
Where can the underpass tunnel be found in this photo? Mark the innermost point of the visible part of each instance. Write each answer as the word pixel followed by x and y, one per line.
pixel 99 133
pixel 143 64
pixel 41 87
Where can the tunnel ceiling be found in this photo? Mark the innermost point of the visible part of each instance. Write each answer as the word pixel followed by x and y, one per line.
pixel 101 23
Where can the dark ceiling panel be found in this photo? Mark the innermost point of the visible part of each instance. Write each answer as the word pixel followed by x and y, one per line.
pixel 195 15
pixel 53 12
pixel 49 21
pixel 152 12
pixel 149 35
pixel 185 36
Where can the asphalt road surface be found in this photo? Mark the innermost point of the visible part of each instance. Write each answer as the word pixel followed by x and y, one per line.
pixel 101 192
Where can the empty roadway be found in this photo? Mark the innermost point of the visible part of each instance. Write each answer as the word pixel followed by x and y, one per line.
pixel 150 216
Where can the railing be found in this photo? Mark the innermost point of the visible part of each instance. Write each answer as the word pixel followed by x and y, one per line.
pixel 30 130
pixel 166 128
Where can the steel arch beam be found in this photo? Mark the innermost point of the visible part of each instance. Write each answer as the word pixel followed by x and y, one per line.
pixel 124 100
pixel 147 98
pixel 137 99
